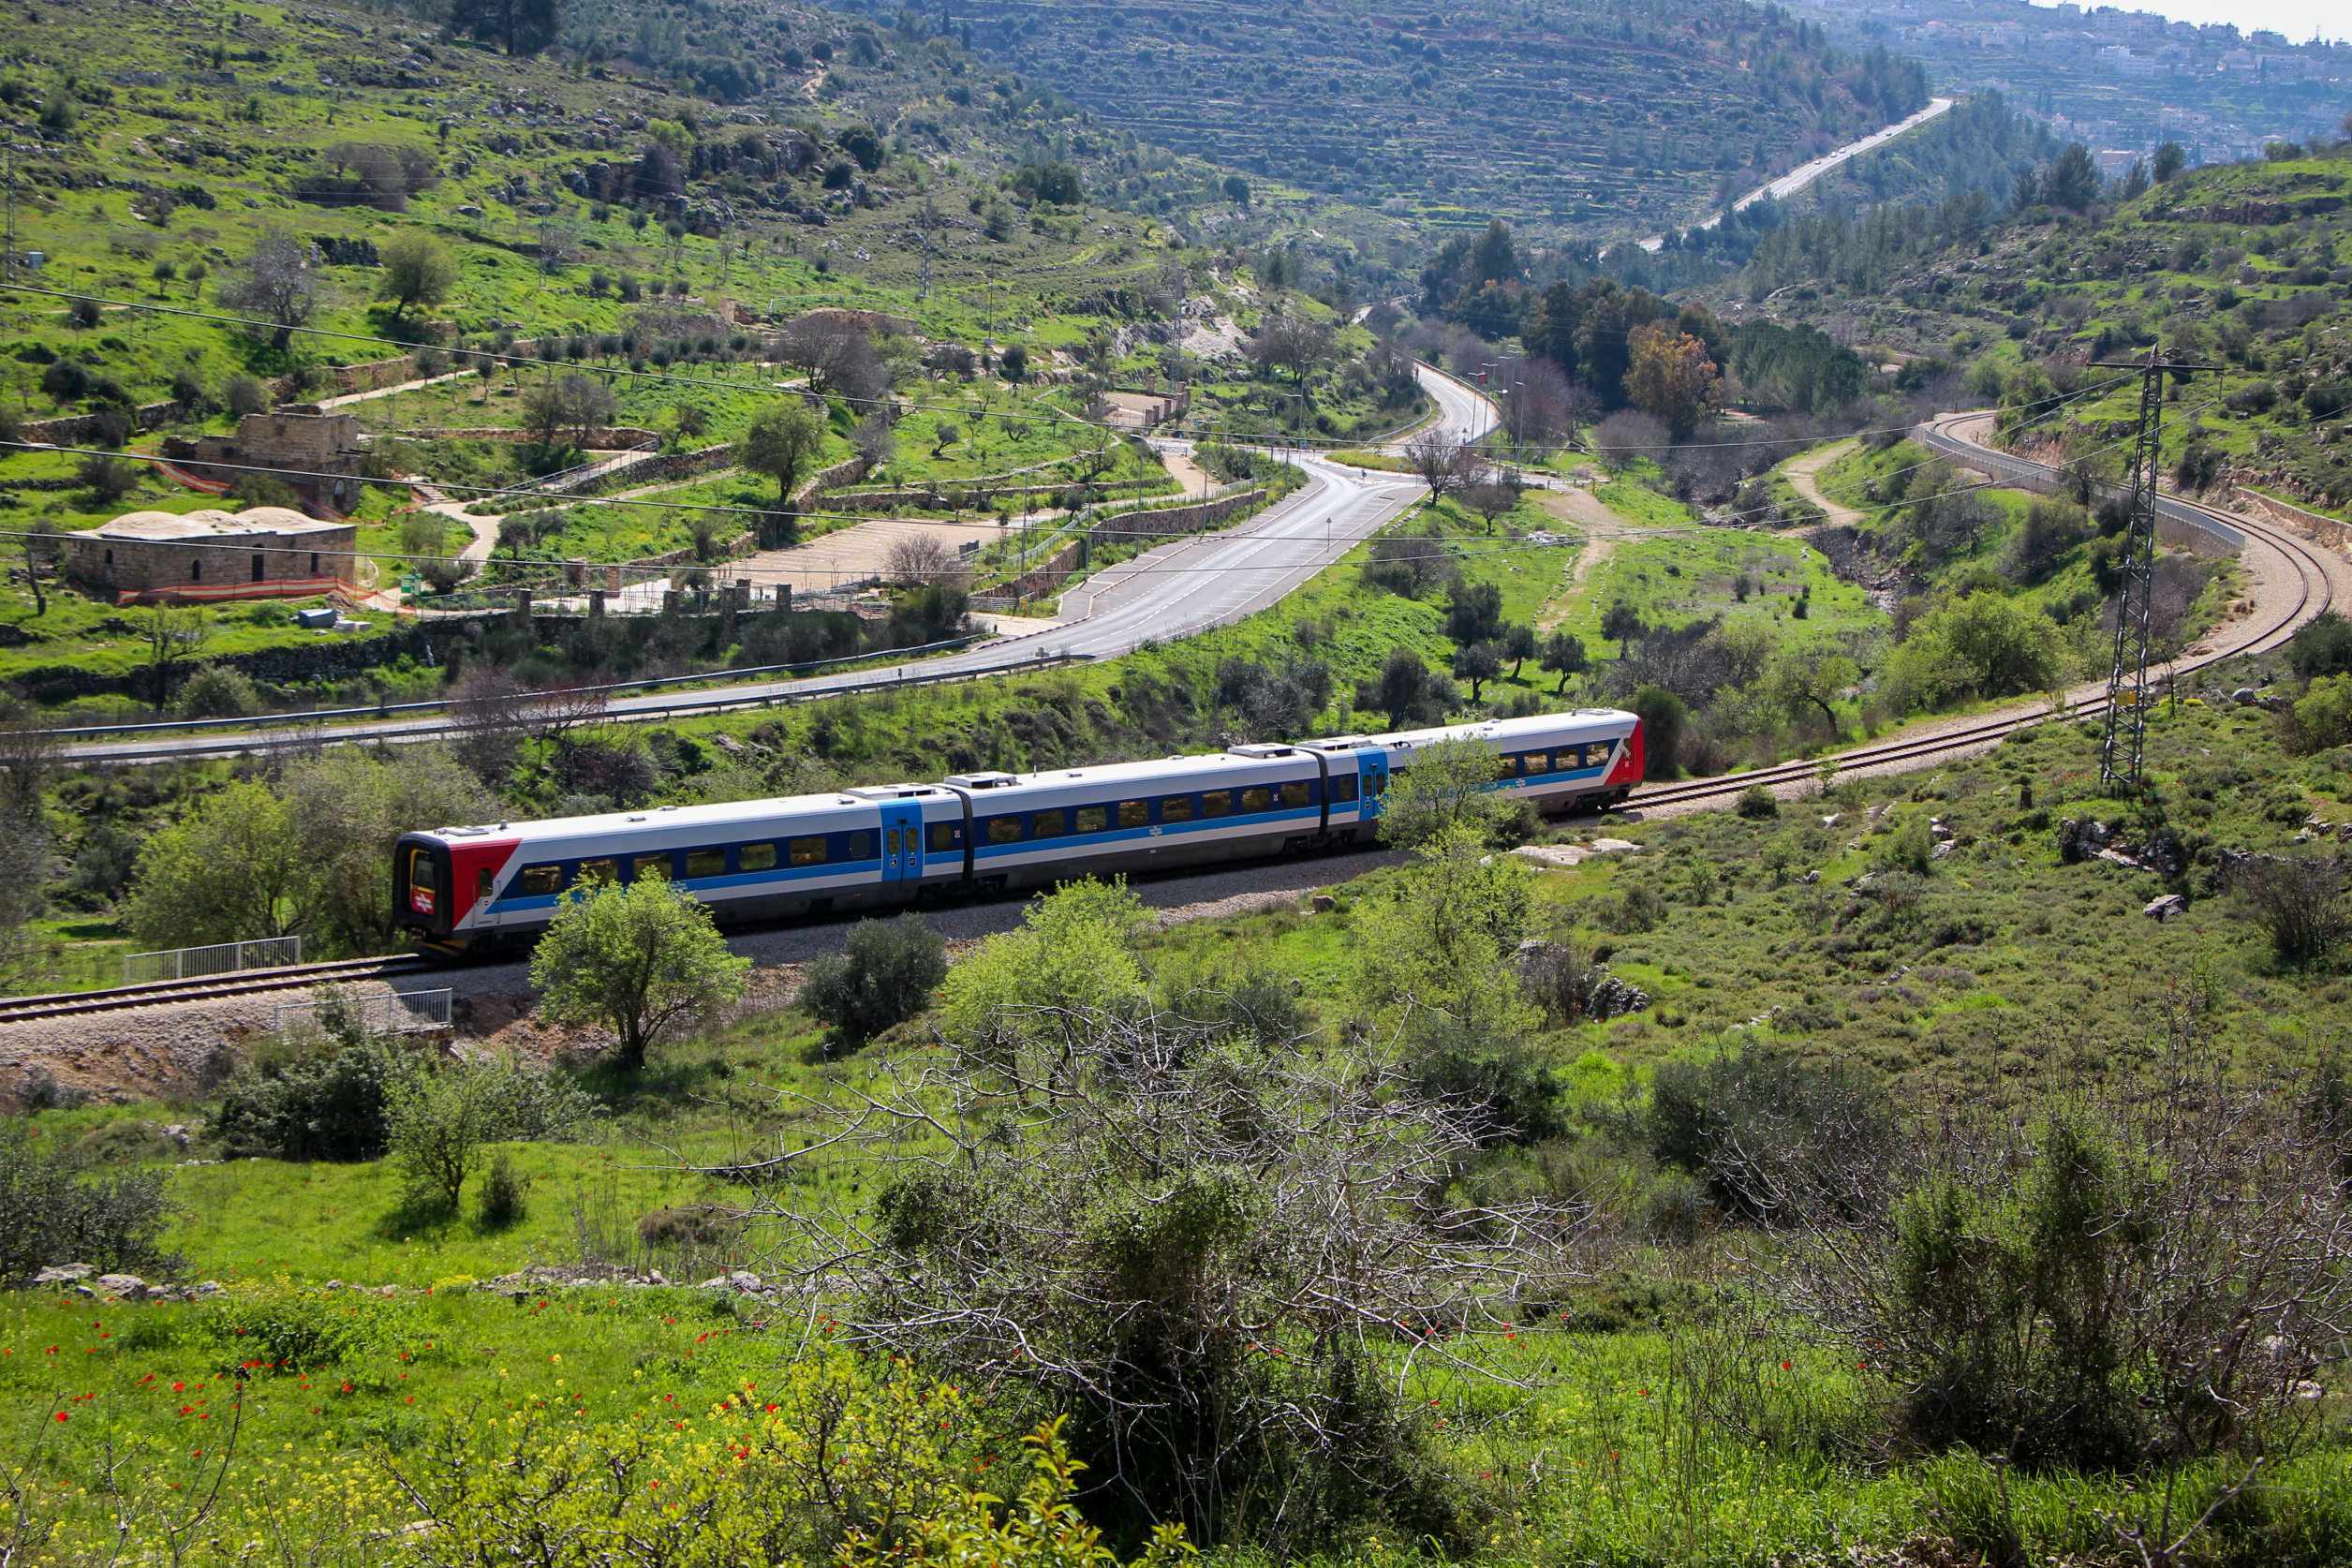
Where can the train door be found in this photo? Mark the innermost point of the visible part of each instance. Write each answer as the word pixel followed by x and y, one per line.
pixel 1373 770
pixel 902 843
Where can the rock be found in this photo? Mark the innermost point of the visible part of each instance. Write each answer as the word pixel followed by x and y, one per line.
pixel 1325 903
pixel 1809 878
pixel 2161 909
pixel 334 1285
pixel 206 1290
pixel 2117 857
pixel 2244 696
pixel 716 1282
pixel 63 1274
pixel 1831 821
pixel 744 1279
pixel 130 1287
pixel 1940 851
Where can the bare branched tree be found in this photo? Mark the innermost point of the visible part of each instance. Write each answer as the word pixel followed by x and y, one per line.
pixel 1219 1260
pixel 283 284
pixel 920 560
pixel 1442 463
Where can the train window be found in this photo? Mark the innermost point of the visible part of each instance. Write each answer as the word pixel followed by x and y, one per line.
pixel 1047 825
pixel 422 881
pixel 808 852
pixel 1092 818
pixel 1295 796
pixel 1004 830
pixel 604 869
pixel 858 845
pixel 656 867
pixel 1217 802
pixel 756 857
pixel 1175 808
pixel 706 863
pixel 1134 813
pixel 484 880
pixel 1341 790
pixel 539 881
pixel 946 836
pixel 1256 801
pixel 890 845
pixel 1568 757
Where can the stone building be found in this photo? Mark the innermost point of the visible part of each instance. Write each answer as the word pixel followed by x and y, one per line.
pixel 264 552
pixel 319 453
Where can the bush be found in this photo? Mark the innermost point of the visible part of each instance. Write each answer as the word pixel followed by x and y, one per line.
pixel 1910 846
pixel 55 1211
pixel 694 1226
pixel 504 1194
pixel 262 489
pixel 2297 902
pixel 214 692
pixel 2322 646
pixel 1775 1139
pixel 294 1327
pixel 1662 719
pixel 1758 803
pixel 242 396
pixel 323 1100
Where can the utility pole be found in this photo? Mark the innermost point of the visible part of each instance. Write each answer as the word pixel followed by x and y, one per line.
pixel 2127 696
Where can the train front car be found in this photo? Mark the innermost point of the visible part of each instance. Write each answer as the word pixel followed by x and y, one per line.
pixel 1587 760
pixel 476 888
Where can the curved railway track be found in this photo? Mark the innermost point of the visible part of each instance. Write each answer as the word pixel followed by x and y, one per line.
pixel 2315 575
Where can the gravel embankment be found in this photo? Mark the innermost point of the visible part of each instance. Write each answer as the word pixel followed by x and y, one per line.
pixel 158 1052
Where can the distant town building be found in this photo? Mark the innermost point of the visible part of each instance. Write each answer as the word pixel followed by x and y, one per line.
pixel 319 453
pixel 261 553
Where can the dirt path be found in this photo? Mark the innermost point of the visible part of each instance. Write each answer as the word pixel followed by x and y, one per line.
pixel 854 553
pixel 1802 472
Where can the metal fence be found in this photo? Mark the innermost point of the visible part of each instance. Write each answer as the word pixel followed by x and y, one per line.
pixel 403 1013
pixel 188 963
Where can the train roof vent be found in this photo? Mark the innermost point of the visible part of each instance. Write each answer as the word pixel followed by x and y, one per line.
pixel 466 831
pixel 890 791
pixel 1263 749
pixel 1336 742
pixel 982 781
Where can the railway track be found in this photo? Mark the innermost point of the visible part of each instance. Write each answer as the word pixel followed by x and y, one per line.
pixel 2317 591
pixel 294 977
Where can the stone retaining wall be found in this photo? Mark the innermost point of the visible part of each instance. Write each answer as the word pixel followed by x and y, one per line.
pixel 2334 532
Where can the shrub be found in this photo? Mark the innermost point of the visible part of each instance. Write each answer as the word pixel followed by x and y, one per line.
pixel 2322 646
pixel 504 1193
pixel 1774 1138
pixel 1662 719
pixel 1758 803
pixel 886 976
pixel 109 479
pixel 2297 902
pixel 693 1226
pixel 214 692
pixel 1909 846
pixel 242 396
pixel 263 490
pixel 292 1327
pixel 55 1211
pixel 326 1099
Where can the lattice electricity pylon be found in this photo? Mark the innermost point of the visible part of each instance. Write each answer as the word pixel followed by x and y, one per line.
pixel 2128 680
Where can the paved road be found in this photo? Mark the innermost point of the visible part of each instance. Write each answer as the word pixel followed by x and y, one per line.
pixel 1176 590
pixel 1805 174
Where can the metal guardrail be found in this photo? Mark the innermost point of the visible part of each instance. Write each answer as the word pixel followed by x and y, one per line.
pixel 2026 474
pixel 402 1012
pixel 192 962
pixel 388 710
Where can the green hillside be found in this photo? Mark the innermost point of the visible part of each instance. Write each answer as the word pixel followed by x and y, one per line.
pixel 1588 119
pixel 2245 267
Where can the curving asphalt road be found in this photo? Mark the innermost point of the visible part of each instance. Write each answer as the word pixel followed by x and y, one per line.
pixel 1176 590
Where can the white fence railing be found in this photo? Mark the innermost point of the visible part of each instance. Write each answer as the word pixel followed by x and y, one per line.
pixel 188 963
pixel 404 1012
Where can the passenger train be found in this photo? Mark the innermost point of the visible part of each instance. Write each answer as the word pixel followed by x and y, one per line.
pixel 463 888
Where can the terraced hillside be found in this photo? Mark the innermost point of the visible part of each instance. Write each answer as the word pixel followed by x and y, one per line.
pixel 2246 266
pixel 1598 121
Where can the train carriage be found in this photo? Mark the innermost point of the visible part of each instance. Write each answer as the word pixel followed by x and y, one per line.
pixel 881 846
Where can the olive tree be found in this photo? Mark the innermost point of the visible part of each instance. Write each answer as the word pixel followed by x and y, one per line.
pixel 783 442
pixel 1205 1255
pixel 639 957
pixel 419 270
